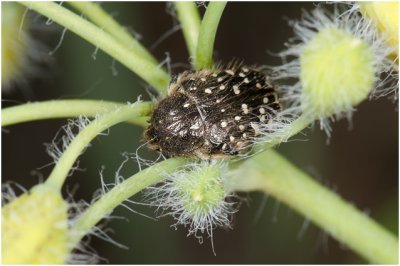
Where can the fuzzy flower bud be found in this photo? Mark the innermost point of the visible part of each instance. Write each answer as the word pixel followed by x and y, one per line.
pixel 34 228
pixel 200 197
pixel 337 72
pixel 23 56
pixel 196 196
pixel 14 48
pixel 386 16
pixel 337 59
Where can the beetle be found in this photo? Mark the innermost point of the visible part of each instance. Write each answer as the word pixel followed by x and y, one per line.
pixel 212 114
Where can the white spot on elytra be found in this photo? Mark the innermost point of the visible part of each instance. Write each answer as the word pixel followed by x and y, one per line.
pixel 220 79
pixel 244 135
pixel 242 74
pixel 265 100
pixel 186 105
pixel 193 88
pixel 262 118
pixel 258 85
pixel 236 89
pixel 222 87
pixel 256 128
pixel 182 133
pixel 172 113
pixel 262 110
pixel 224 124
pixel 224 146
pixel 195 126
pixel 214 75
pixel 246 80
pixel 230 72
pixel 222 110
pixel 203 79
pixel 244 108
pixel 237 118
pixel 207 91
pixel 231 138
pixel 241 127
pixel 245 69
pixel 218 101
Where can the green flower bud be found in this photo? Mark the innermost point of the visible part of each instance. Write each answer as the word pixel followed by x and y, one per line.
pixel 34 228
pixel 202 192
pixel 336 60
pixel 14 43
pixel 336 72
pixel 196 197
pixel 385 15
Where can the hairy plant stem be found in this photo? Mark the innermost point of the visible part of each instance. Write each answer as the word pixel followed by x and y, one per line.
pixel 131 58
pixel 208 29
pixel 101 18
pixel 120 193
pixel 78 144
pixel 62 109
pixel 189 17
pixel 289 131
pixel 271 173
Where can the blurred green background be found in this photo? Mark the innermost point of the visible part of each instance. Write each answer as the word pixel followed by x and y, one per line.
pixel 361 163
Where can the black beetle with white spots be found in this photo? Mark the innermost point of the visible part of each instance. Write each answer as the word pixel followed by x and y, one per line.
pixel 212 114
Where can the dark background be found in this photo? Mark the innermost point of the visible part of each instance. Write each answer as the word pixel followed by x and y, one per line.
pixel 360 164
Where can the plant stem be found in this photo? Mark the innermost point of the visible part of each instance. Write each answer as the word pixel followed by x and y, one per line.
pixel 274 175
pixel 149 71
pixel 121 192
pixel 77 145
pixel 189 17
pixel 283 135
pixel 61 109
pixel 208 29
pixel 102 19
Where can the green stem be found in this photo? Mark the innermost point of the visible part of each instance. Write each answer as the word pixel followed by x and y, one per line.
pixel 274 175
pixel 120 193
pixel 61 109
pixel 66 161
pixel 208 29
pixel 149 71
pixel 283 135
pixel 95 13
pixel 189 17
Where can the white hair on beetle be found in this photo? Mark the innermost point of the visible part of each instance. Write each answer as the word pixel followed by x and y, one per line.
pixel 276 130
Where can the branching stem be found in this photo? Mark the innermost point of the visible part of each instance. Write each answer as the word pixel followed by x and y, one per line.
pixel 66 161
pixel 271 173
pixel 189 17
pixel 61 109
pixel 95 13
pixel 208 29
pixel 131 58
pixel 120 193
